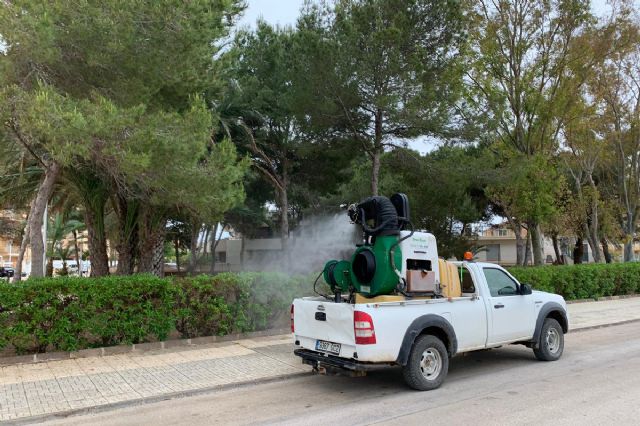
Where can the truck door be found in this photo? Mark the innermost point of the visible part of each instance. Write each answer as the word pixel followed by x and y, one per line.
pixel 511 315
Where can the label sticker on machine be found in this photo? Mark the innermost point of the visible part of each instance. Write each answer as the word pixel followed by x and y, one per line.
pixel 330 347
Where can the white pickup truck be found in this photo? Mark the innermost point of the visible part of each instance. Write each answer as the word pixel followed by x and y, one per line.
pixel 422 334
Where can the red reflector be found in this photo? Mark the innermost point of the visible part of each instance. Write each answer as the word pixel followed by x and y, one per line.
pixel 292 327
pixel 363 328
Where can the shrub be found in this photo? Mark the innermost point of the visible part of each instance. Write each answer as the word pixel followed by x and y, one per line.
pixel 209 305
pixel 74 313
pixel 225 303
pixel 583 281
pixel 70 313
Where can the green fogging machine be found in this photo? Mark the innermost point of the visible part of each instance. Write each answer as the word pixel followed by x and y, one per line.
pixel 392 258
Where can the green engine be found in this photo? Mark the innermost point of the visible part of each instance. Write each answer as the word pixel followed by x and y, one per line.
pixel 373 268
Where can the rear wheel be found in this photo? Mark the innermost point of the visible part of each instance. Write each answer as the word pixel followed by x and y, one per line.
pixel 551 341
pixel 428 364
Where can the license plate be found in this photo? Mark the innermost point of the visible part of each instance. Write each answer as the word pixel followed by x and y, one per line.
pixel 330 347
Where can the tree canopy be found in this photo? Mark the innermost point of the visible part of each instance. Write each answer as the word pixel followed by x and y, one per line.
pixel 157 124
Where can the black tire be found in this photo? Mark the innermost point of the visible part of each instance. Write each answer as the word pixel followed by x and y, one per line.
pixel 550 344
pixel 429 377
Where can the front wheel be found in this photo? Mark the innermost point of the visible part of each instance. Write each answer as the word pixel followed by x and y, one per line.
pixel 428 364
pixel 550 344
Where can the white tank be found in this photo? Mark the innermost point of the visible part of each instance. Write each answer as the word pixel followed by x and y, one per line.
pixel 419 253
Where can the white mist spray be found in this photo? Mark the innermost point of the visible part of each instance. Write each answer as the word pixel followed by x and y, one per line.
pixel 315 241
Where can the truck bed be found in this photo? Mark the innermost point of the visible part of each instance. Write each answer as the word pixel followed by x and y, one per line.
pixel 317 319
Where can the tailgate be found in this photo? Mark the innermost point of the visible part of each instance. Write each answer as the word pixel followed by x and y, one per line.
pixel 319 319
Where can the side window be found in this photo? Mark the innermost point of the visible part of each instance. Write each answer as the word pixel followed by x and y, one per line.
pixel 500 284
pixel 466 281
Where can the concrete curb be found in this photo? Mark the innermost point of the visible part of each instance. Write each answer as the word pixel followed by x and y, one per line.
pixel 604 298
pixel 149 400
pixel 611 324
pixel 138 348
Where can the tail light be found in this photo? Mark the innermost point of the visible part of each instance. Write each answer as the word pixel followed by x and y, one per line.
pixel 292 327
pixel 363 328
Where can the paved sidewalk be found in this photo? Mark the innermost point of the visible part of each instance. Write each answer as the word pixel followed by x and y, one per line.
pixel 594 314
pixel 78 384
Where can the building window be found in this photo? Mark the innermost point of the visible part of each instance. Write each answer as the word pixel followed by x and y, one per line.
pixel 221 257
pixel 493 252
pixel 502 232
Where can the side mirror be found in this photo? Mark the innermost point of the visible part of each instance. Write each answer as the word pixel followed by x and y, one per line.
pixel 525 289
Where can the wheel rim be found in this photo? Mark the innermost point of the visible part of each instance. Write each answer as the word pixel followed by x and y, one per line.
pixel 430 363
pixel 553 340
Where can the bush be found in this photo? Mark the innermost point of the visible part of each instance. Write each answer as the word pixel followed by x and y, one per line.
pixel 228 302
pixel 583 281
pixel 74 313
pixel 209 305
pixel 70 313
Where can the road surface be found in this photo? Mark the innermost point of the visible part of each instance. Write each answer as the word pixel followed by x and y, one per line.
pixel 596 382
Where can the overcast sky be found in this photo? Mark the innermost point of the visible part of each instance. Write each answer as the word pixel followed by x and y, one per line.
pixel 281 12
pixel 285 12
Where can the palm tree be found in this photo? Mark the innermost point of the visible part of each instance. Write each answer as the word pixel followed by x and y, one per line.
pixel 60 226
pixel 64 253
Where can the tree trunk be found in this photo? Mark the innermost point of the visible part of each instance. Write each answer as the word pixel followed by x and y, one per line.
pixel 593 223
pixel 152 231
pixel 605 250
pixel 23 248
pixel 377 152
pixel 36 218
pixel 193 259
pixel 556 249
pixel 594 244
pixel 214 244
pixel 205 242
pixel 520 249
pixel 516 227
pixel 284 209
pixel 375 172
pixel 527 250
pixel 77 250
pixel 578 252
pixel 242 254
pixel 127 212
pixel 536 243
pixel 94 219
pixel 629 232
pixel 49 269
pixel 176 248
pixel 94 199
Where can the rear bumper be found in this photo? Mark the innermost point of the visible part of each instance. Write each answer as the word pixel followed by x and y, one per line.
pixel 317 360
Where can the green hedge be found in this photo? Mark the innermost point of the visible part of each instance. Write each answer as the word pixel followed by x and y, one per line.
pixel 583 281
pixel 67 313
pixel 229 302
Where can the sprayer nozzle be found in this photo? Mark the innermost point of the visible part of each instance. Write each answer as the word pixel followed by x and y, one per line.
pixel 353 213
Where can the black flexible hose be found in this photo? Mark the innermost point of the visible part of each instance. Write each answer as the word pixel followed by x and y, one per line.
pixel 366 228
pixel 314 287
pixel 397 243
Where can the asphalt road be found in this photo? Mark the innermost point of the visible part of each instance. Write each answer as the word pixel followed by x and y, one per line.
pixel 596 382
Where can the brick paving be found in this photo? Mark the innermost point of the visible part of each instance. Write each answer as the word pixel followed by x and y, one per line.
pixel 57 386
